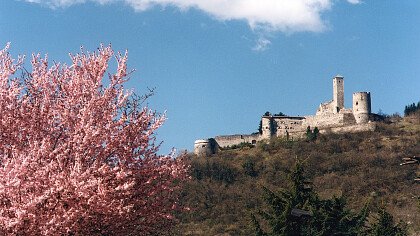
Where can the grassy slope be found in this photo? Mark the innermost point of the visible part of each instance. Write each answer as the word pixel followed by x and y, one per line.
pixel 225 188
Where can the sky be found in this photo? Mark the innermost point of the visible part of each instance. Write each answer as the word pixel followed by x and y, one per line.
pixel 218 65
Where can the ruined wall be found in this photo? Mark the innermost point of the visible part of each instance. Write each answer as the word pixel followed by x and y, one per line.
pixel 230 140
pixel 345 117
pixel 337 104
pixel 325 108
pixel 287 125
pixel 371 126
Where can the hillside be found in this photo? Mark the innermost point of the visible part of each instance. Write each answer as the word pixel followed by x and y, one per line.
pixel 227 187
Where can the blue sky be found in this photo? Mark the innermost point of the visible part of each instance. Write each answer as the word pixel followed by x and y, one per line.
pixel 218 65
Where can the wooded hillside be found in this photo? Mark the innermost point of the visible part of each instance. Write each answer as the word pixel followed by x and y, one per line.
pixel 227 188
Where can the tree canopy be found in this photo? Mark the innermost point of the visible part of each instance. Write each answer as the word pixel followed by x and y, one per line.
pixel 411 109
pixel 298 210
pixel 78 153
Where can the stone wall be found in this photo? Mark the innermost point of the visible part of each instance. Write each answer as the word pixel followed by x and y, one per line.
pixel 287 125
pixel 230 140
pixel 371 126
pixel 331 116
pixel 345 117
pixel 325 108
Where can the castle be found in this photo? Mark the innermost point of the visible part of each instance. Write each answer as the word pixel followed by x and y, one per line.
pixel 331 116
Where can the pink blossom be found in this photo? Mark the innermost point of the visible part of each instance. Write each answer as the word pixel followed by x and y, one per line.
pixel 77 154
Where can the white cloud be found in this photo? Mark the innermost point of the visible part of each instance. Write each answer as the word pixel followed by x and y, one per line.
pixel 268 15
pixel 354 1
pixel 262 44
pixel 66 3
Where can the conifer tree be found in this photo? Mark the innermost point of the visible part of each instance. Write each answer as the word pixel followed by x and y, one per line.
pixel 299 211
pixel 385 225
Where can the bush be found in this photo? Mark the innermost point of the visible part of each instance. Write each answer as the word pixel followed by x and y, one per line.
pixel 249 167
pixel 213 168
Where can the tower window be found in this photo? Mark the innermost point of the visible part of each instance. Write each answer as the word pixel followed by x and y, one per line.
pixel 357 103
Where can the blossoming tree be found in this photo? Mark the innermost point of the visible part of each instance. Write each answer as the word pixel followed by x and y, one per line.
pixel 78 153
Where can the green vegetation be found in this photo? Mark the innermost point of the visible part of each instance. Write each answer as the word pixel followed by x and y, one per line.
pixel 299 211
pixel 346 170
pixel 239 146
pixel 385 225
pixel 280 114
pixel 312 135
pixel 412 109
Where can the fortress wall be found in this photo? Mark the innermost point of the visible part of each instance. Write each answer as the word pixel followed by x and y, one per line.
pixel 284 125
pixel 351 128
pixel 346 110
pixel 325 108
pixel 230 140
pixel 325 120
pixel 348 118
pixel 252 138
pixel 292 134
pixel 331 116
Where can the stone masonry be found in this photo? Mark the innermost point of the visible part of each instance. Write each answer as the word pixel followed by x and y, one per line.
pixel 331 116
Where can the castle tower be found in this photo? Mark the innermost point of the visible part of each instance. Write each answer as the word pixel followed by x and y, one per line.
pixel 205 147
pixel 267 129
pixel 338 93
pixel 361 107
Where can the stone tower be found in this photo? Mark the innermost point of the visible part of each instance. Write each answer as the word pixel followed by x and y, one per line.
pixel 267 129
pixel 361 107
pixel 338 93
pixel 205 147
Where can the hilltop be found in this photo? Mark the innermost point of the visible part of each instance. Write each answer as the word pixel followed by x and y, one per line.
pixel 227 187
pixel 330 117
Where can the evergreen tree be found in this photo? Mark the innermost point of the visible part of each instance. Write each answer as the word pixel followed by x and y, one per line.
pixel 311 135
pixel 331 217
pixel 299 211
pixel 316 132
pixel 411 109
pixel 280 114
pixel 282 203
pixel 385 225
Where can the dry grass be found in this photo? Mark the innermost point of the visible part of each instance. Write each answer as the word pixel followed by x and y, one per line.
pixel 361 167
